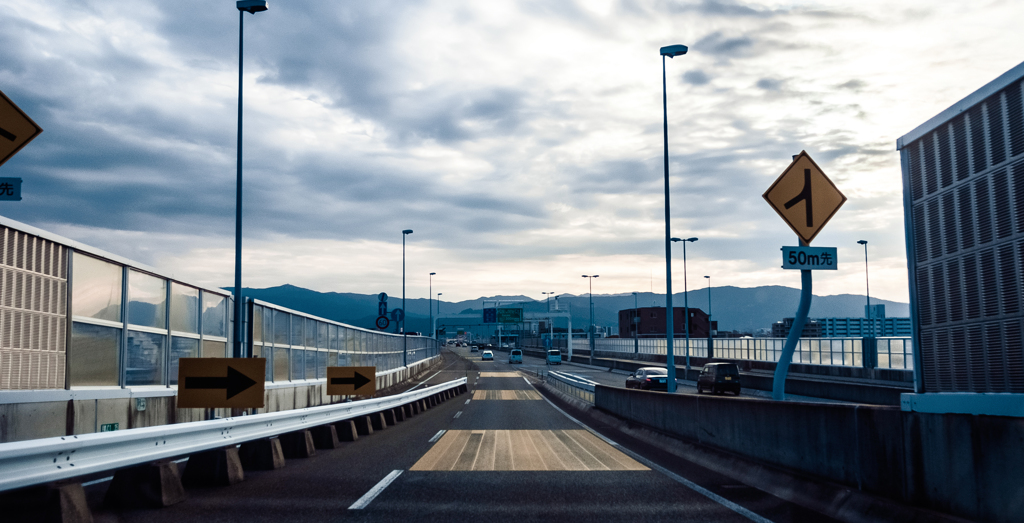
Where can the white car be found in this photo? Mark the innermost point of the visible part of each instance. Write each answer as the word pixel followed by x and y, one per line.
pixel 487 356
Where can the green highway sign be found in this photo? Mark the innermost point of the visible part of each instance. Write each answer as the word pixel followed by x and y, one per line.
pixel 509 315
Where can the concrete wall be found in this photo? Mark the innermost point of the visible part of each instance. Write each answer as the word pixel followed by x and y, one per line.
pixel 44 419
pixel 970 466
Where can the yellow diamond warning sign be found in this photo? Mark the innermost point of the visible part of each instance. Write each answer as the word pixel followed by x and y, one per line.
pixel 804 197
pixel 16 129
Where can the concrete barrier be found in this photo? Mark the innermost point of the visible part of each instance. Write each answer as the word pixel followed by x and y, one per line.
pixel 964 465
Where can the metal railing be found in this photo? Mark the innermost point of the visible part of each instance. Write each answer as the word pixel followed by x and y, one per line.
pixel 34 462
pixel 893 353
pixel 574 386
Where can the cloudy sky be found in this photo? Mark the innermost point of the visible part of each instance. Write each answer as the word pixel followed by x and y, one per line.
pixel 520 140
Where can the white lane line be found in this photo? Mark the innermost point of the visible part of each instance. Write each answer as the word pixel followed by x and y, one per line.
pixel 437 436
pixel 469 400
pixel 457 414
pixel 431 376
pixel 672 475
pixel 362 502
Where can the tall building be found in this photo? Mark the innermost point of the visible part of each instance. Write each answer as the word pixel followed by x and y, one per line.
pixel 651 322
pixel 963 186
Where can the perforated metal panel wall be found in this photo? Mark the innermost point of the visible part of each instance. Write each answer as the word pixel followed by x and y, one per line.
pixel 965 181
pixel 33 311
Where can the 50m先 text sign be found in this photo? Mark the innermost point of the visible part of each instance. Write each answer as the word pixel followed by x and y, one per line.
pixel 810 258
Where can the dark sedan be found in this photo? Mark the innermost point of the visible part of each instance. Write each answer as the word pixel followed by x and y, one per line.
pixel 648 378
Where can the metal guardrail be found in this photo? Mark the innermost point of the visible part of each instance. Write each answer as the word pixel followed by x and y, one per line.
pixel 26 463
pixel 574 386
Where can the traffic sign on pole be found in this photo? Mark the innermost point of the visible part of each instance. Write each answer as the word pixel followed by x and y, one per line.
pixel 210 383
pixel 383 322
pixel 804 197
pixel 351 381
pixel 810 258
pixel 16 129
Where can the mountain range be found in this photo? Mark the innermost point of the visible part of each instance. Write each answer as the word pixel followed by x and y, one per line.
pixel 735 308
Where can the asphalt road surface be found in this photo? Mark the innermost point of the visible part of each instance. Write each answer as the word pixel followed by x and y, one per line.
pixel 502 452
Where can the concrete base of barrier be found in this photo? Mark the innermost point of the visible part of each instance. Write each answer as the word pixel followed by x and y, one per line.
pixel 262 454
pixel 298 444
pixel 389 417
pixel 218 467
pixel 325 437
pixel 146 486
pixel 378 421
pixel 346 430
pixel 398 413
pixel 54 503
pixel 363 425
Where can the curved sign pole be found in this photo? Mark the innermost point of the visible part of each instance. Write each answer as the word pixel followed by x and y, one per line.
pixel 782 367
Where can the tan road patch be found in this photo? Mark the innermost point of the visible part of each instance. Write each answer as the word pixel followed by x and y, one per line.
pixel 523 450
pixel 506 395
pixel 499 374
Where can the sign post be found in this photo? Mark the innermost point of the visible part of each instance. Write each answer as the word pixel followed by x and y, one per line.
pixel 382 311
pixel 806 200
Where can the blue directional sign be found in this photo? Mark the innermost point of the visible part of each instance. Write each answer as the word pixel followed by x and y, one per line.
pixel 10 189
pixel 810 258
pixel 382 308
pixel 490 315
pixel 397 315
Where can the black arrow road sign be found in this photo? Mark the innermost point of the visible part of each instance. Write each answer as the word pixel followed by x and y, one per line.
pixel 234 383
pixel 356 381
pixel 351 381
pixel 7 134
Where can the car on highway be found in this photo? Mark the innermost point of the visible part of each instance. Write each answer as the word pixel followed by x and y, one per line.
pixel 487 356
pixel 719 377
pixel 554 357
pixel 515 356
pixel 474 348
pixel 648 378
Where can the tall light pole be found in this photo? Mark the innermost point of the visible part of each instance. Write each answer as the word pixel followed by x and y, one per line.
pixel 549 299
pixel 405 336
pixel 438 312
pixel 430 306
pixel 591 316
pixel 867 288
pixel 636 323
pixel 711 349
pixel 670 51
pixel 686 304
pixel 253 7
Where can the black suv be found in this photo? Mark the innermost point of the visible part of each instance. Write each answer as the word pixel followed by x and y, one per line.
pixel 719 377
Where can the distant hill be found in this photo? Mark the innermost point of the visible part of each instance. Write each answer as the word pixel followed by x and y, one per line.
pixel 735 308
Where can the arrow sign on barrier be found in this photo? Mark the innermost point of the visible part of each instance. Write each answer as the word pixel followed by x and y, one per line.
pixel 351 381
pixel 234 383
pixel 209 383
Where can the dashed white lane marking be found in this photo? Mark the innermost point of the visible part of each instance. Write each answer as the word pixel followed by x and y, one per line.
pixel 457 414
pixel 469 400
pixel 437 436
pixel 362 502
pixel 672 475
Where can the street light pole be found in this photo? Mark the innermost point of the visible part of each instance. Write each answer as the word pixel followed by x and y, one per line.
pixel 867 288
pixel 711 349
pixel 253 7
pixel 549 299
pixel 430 306
pixel 636 323
pixel 405 335
pixel 438 309
pixel 686 303
pixel 591 316
pixel 670 51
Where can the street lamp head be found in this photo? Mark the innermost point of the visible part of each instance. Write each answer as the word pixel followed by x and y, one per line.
pixel 677 239
pixel 433 273
pixel 252 6
pixel 862 242
pixel 691 239
pixel 440 293
pixel 708 277
pixel 673 51
pixel 407 231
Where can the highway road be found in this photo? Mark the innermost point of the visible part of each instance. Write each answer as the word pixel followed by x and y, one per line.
pixel 501 452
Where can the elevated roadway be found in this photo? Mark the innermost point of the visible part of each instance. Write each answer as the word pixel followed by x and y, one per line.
pixel 500 453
